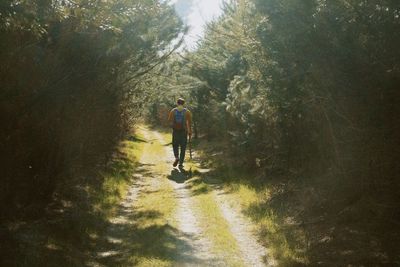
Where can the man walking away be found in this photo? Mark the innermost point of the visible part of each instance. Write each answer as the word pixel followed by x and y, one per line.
pixel 181 121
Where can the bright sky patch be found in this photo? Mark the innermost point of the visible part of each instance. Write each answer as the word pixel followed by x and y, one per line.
pixel 196 13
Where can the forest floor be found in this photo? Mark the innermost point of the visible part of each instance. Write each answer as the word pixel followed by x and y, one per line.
pixel 177 218
pixel 215 213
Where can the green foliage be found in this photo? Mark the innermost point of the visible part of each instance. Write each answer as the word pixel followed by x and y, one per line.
pixel 72 85
pixel 305 82
pixel 73 81
pixel 303 89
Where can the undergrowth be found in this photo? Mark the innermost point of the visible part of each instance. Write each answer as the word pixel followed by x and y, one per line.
pixel 67 234
pixel 307 220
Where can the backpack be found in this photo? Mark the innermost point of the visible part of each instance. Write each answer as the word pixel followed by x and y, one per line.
pixel 179 120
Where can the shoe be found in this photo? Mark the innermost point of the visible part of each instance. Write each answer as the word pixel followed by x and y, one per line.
pixel 180 166
pixel 175 162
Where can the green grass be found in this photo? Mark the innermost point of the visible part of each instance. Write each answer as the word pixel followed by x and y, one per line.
pixel 118 177
pixel 157 207
pixel 271 225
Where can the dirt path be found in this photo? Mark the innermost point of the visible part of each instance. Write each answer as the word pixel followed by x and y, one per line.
pixel 187 220
pixel 180 239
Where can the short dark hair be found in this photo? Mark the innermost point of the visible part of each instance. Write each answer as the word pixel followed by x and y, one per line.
pixel 180 101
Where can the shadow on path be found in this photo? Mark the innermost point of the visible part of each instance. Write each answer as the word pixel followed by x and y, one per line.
pixel 130 238
pixel 143 234
pixel 180 175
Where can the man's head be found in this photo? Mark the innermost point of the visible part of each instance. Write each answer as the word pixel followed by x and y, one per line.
pixel 180 101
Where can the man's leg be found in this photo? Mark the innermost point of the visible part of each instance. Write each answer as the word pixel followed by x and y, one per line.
pixel 183 139
pixel 175 146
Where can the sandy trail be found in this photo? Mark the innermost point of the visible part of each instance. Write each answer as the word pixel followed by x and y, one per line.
pixel 187 220
pixel 194 247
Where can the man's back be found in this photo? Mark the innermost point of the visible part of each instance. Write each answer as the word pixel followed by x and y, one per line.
pixel 180 119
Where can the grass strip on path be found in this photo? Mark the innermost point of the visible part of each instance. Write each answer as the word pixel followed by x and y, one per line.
pixel 214 224
pixel 154 242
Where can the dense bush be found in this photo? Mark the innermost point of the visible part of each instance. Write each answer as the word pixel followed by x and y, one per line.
pixel 300 86
pixel 306 93
pixel 71 75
